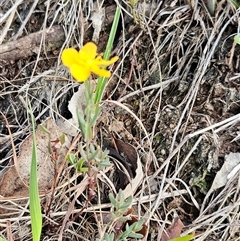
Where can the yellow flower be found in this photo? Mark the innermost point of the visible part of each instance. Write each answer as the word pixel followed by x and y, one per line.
pixel 82 63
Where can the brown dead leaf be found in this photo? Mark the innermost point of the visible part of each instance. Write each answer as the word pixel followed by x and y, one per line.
pixel 11 184
pixel 174 230
pixel 127 155
pixel 50 156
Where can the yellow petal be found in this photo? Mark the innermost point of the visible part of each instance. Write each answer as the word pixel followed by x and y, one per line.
pixel 102 62
pixel 69 56
pixel 88 51
pixel 79 72
pixel 100 72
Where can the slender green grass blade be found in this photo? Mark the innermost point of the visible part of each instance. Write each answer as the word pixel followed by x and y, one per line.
pixel 211 4
pixel 102 81
pixel 35 207
pixel 235 3
pixel 185 238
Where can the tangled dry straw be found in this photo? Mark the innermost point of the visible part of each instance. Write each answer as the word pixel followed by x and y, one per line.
pixel 176 91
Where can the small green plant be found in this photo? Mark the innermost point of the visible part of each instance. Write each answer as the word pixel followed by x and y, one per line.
pixel 93 158
pixel 121 206
pixel 81 64
pixel 130 232
pixel 97 159
pixel 78 162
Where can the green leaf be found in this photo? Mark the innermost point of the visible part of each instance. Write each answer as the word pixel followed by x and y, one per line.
pixel 126 204
pixel 211 4
pixel 105 163
pixel 102 82
pixel 2 239
pixel 62 139
pixel 237 38
pixel 80 166
pixel 128 227
pixel 81 123
pixel 82 152
pixel 44 129
pixel 185 238
pixel 120 198
pixel 235 3
pixel 137 226
pixel 109 237
pixel 35 206
pixel 112 200
pixel 95 116
pixel 130 231
pixel 133 2
pixel 71 158
pixel 93 152
pixel 135 235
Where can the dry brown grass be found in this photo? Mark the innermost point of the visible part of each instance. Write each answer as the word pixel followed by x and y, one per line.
pixel 175 90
